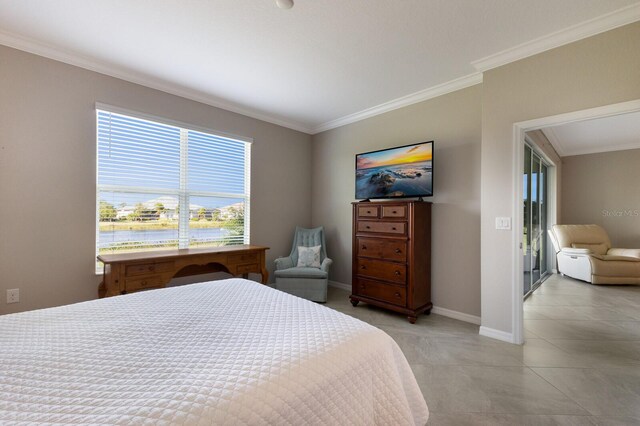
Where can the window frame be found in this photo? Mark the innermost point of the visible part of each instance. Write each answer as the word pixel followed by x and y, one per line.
pixel 183 193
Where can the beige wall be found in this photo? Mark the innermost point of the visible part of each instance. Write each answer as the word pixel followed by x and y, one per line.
pixel 597 71
pixel 47 174
pixel 453 122
pixel 604 189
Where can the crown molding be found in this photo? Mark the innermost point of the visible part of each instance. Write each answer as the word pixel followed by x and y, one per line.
pixel 571 34
pixel 553 139
pixel 413 98
pixel 600 150
pixel 41 49
pixel 57 54
pixel 556 143
pixel 548 124
pixel 600 24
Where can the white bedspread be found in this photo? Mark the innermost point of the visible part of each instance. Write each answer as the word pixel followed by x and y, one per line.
pixel 223 352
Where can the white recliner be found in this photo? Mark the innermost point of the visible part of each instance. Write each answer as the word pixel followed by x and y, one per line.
pixel 584 252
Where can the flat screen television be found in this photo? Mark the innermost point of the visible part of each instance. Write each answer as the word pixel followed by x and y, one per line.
pixel 405 171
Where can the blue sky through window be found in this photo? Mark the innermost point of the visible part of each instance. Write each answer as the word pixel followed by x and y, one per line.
pixel 134 152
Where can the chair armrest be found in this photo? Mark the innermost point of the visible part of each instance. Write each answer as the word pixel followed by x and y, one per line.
pixel 284 263
pixel 326 264
pixel 575 251
pixel 624 252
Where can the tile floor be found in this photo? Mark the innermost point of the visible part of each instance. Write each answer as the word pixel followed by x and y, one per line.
pixel 580 364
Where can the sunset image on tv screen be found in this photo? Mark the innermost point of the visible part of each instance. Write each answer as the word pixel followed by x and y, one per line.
pixel 396 172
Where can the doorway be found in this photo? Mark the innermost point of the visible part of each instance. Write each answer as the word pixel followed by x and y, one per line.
pixel 520 129
pixel 535 213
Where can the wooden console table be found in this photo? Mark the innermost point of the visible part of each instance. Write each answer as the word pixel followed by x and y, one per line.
pixel 129 272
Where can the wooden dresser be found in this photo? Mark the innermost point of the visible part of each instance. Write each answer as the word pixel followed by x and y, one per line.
pixel 392 256
pixel 130 272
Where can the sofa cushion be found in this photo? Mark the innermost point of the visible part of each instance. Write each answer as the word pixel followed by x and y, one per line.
pixel 624 252
pixel 596 248
pixel 301 273
pixel 615 266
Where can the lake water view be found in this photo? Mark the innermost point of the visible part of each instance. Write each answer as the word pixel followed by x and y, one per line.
pixel 108 238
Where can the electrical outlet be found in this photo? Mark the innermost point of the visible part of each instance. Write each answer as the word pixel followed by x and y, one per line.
pixel 13 295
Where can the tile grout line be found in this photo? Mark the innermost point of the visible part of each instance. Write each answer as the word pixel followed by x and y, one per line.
pixel 554 386
pixel 563 351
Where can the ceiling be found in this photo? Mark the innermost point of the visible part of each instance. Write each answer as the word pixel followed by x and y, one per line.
pixel 319 65
pixel 614 133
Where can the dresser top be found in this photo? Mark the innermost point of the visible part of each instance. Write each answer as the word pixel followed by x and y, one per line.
pixel 390 201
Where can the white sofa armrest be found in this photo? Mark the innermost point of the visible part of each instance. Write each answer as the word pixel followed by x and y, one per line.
pixel 624 252
pixel 575 263
pixel 575 251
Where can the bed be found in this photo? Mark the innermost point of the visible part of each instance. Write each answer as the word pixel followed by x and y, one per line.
pixel 223 352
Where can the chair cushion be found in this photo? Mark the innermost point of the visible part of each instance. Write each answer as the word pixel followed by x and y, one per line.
pixel 301 273
pixel 308 238
pixel 309 257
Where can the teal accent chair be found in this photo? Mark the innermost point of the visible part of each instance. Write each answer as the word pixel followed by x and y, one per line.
pixel 308 283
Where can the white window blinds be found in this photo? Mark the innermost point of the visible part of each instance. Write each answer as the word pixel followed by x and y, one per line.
pixel 166 186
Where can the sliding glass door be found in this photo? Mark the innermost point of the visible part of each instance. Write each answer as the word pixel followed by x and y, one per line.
pixel 534 240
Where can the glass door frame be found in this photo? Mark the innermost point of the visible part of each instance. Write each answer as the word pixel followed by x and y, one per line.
pixel 542 201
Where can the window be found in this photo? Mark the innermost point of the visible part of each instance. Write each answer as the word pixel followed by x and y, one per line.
pixel 166 186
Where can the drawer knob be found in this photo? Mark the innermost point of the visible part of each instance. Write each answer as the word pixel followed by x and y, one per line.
pixel 368 211
pixel 143 283
pixel 364 247
pixel 398 251
pixel 368 227
pixel 152 268
pixel 394 228
pixel 397 294
pixel 363 267
pixel 394 212
pixel 397 272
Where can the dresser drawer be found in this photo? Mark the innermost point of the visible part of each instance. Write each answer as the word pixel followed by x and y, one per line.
pixel 368 211
pixel 143 283
pixel 386 249
pixel 382 291
pixel 243 258
pixel 244 269
pixel 381 270
pixel 394 211
pixel 148 268
pixel 382 227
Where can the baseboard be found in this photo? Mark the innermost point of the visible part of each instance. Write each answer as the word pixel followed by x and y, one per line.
pixel 456 315
pixel 496 334
pixel 436 309
pixel 341 286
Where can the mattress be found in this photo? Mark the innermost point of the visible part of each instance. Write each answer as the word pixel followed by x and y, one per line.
pixel 223 352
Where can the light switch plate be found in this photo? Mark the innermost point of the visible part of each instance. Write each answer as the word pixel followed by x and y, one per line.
pixel 503 223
